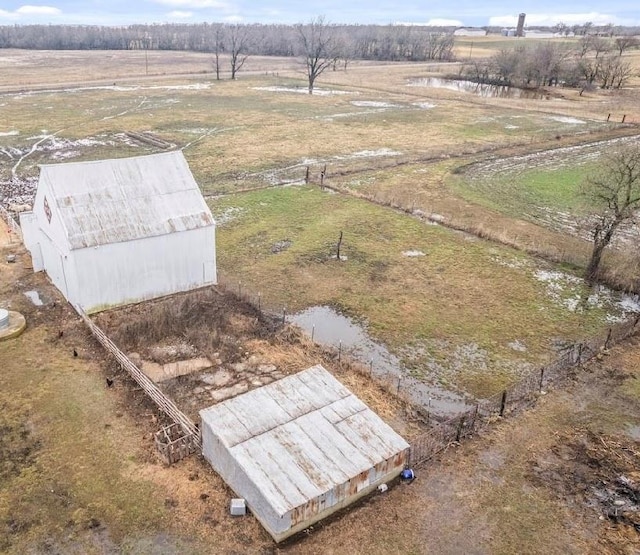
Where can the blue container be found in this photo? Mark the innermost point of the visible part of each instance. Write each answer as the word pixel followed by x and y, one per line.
pixel 407 475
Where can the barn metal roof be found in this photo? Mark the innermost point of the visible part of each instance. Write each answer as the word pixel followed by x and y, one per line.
pixel 111 201
pixel 300 436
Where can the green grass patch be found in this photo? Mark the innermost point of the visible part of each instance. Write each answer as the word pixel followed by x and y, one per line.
pixel 464 302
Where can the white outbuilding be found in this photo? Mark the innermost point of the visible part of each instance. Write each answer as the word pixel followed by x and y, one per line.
pixel 299 449
pixel 114 232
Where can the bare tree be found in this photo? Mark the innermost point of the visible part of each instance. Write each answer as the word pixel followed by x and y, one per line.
pixel 239 39
pixel 626 42
pixel 505 64
pixel 615 195
pixel 218 47
pixel 319 48
pixel 614 72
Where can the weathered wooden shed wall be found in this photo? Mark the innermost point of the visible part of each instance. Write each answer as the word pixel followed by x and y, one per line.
pixel 299 449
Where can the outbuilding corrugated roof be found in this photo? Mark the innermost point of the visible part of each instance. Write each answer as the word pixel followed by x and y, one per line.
pixel 111 201
pixel 300 436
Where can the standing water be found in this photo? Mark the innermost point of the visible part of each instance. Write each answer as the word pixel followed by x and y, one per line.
pixel 332 329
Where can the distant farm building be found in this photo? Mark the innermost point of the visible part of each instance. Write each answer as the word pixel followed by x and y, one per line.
pixel 470 32
pixel 300 449
pixel 114 232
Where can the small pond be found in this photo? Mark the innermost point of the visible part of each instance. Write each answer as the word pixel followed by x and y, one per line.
pixel 330 328
pixel 488 91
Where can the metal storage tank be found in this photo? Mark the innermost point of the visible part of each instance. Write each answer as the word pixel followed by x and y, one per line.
pixel 113 232
pixel 300 449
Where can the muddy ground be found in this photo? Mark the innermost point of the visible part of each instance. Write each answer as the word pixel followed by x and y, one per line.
pixel 80 473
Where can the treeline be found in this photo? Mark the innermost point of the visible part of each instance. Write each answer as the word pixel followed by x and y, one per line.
pixel 369 42
pixel 592 61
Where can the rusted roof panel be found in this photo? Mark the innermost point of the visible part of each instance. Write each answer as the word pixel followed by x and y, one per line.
pixel 300 437
pixel 112 201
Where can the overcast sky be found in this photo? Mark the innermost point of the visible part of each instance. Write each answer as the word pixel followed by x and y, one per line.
pixel 433 12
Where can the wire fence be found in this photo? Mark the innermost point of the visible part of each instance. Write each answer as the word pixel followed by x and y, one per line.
pixel 475 415
pixel 441 433
pixel 185 437
pixel 11 222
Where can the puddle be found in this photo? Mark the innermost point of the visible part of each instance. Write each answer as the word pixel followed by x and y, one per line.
pixel 330 328
pixel 34 297
pixel 480 89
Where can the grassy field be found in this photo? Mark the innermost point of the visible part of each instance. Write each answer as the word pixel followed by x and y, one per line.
pixel 378 138
pixel 79 473
pixel 446 311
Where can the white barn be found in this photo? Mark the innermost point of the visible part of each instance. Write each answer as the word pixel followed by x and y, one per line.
pixel 300 449
pixel 114 232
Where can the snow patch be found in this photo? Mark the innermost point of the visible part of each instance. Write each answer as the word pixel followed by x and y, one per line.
pixel 228 215
pixel 303 90
pixel 412 253
pixel 424 105
pixel 517 345
pixel 9 133
pixel 565 119
pixel 373 104
pixel 369 154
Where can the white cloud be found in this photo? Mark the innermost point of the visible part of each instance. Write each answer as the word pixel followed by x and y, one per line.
pixel 552 19
pixel 440 22
pixel 29 11
pixel 7 15
pixel 38 10
pixel 234 19
pixel 179 14
pixel 194 4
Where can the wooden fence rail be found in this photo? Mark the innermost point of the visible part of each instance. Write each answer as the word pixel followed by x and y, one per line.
pixel 7 217
pixel 160 399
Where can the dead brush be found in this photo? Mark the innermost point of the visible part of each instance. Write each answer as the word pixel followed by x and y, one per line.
pixel 182 316
pixel 621 271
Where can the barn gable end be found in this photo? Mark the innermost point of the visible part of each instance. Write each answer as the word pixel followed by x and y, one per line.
pixel 111 232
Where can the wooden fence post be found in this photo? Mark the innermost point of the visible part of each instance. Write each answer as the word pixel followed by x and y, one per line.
pixel 541 378
pixel 606 342
pixel 503 402
pixel 460 426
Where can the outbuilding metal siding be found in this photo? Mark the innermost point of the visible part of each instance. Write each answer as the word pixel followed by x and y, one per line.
pixel 112 201
pixel 298 447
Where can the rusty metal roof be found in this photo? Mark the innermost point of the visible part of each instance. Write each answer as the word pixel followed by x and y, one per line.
pixel 112 201
pixel 300 436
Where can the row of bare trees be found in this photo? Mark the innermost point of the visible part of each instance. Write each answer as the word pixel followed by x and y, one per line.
pixel 389 42
pixel 592 61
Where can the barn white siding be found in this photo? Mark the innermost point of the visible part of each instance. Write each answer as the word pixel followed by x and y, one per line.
pixel 112 232
pixel 300 449
pixel 141 269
